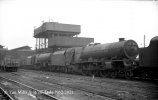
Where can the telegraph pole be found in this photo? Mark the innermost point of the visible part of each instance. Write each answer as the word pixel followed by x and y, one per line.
pixel 144 40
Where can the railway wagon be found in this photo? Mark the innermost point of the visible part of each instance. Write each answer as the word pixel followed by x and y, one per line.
pixel 8 64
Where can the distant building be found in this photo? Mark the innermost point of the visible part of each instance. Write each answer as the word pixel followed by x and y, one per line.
pixel 21 48
pixel 3 52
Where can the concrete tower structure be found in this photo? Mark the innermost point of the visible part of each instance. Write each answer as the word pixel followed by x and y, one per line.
pixel 52 36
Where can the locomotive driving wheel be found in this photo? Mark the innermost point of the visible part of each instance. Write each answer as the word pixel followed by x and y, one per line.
pixel 66 70
pixel 84 72
pixel 92 72
pixel 103 73
pixel 128 74
pixel 113 74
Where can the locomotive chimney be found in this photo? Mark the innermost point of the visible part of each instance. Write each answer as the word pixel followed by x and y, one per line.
pixel 121 39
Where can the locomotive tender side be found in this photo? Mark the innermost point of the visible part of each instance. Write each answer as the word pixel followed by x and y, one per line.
pixel 58 58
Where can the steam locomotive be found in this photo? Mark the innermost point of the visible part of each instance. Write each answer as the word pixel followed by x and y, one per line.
pixel 106 60
pixel 118 59
pixel 148 60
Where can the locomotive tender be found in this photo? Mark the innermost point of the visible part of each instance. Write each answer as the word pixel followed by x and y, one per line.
pixel 148 60
pixel 111 59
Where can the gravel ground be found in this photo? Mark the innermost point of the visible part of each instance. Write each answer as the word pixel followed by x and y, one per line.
pixel 113 88
pixel 59 91
pixel 81 86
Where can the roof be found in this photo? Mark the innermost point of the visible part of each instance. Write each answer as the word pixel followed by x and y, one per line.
pixel 22 48
pixel 48 29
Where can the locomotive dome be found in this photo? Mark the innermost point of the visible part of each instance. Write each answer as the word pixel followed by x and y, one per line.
pixel 131 49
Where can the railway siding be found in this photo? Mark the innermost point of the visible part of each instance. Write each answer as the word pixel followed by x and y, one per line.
pixel 19 91
pixel 44 86
pixel 114 88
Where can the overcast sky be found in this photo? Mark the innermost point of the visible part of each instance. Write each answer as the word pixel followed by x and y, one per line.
pixel 103 20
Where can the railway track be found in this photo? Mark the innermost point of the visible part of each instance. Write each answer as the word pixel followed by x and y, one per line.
pixel 4 95
pixel 120 92
pixel 98 96
pixel 22 91
pixel 94 79
pixel 73 76
pixel 86 92
pixel 98 81
pixel 79 77
pixel 86 77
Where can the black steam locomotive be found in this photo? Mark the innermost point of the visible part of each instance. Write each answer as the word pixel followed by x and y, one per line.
pixel 116 59
pixel 109 59
pixel 148 60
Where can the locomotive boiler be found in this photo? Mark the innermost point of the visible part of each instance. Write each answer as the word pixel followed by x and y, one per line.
pixel 111 59
pixel 117 50
pixel 43 58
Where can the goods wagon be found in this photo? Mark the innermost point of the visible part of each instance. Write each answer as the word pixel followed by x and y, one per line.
pixel 8 64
